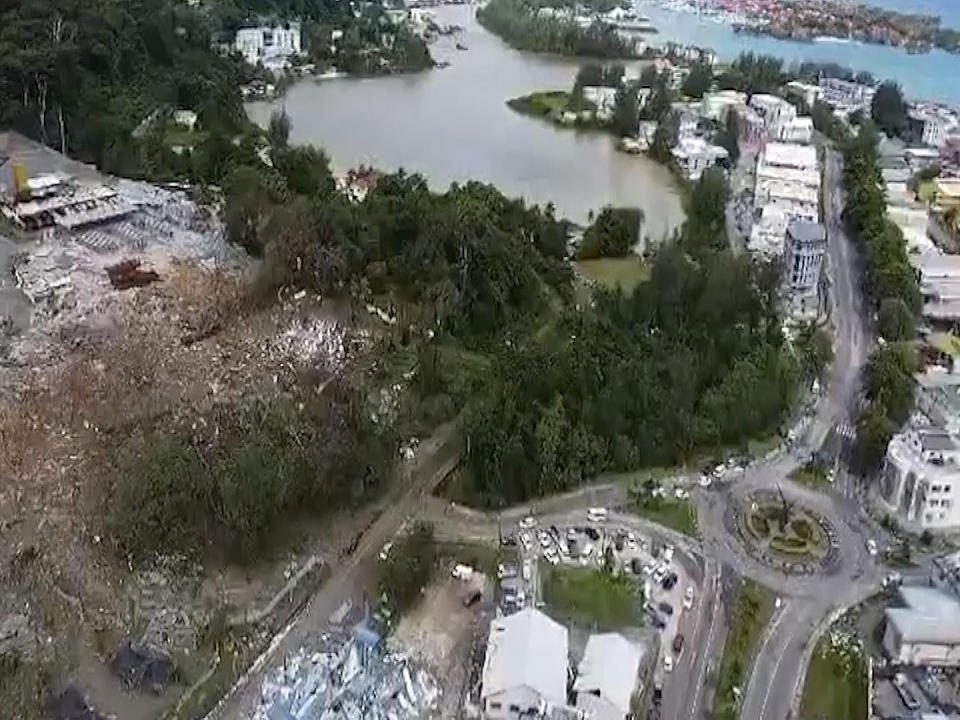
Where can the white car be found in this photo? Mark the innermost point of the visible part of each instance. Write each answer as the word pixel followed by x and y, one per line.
pixel 668 663
pixel 544 540
pixel 871 547
pixel 719 470
pixel 648 569
pixel 385 551
pixel 705 481
pixel 659 574
pixel 526 571
pixel 668 553
pixel 528 522
pixel 688 598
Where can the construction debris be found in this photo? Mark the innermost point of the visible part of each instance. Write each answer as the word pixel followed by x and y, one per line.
pixel 127 274
pixel 138 668
pixel 348 677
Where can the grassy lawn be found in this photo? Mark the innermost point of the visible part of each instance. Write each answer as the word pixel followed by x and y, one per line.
pixel 752 610
pixel 549 104
pixel 927 190
pixel 541 103
pixel 592 597
pixel 815 477
pixel 627 272
pixel 677 514
pixel 836 684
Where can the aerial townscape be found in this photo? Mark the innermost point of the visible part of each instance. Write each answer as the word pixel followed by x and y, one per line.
pixel 512 360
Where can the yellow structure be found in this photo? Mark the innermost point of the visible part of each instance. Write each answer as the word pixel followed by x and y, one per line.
pixel 20 178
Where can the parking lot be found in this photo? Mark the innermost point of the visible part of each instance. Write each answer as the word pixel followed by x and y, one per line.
pixel 670 593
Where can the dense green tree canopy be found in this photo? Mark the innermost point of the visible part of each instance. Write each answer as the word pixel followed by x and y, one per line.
pixel 888 110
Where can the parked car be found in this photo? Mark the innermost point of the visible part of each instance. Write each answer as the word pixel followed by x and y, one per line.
pixel 678 644
pixel 688 598
pixel 528 522
pixel 597 514
pixel 591 533
pixel 385 550
pixel 872 546
pixel 668 553
pixel 667 663
pixel 669 581
pixel 658 622
pixel 705 481
pixel 666 608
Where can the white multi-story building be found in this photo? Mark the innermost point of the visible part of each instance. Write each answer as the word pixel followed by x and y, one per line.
pixel 931 124
pixel 775 111
pixel 268 43
pixel 717 105
pixel 788 176
pixel 694 155
pixel 796 130
pixel 768 231
pixel 920 481
pixel 845 94
pixel 605 98
pixel 803 249
pixel 525 669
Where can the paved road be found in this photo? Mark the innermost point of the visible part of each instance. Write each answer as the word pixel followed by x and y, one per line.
pixel 780 665
pixel 778 669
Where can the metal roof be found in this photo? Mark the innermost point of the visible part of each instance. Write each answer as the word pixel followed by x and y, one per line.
pixel 807 232
pixel 931 616
pixel 526 649
pixel 609 669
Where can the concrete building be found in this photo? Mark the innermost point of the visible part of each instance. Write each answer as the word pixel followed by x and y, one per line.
pixel 787 175
pixel 717 105
pixel 920 481
pixel 268 43
pixel 805 91
pixel 607 677
pixel 926 631
pixel 753 132
pixel 927 126
pixel 845 94
pixel 605 98
pixel 803 249
pixel 797 130
pixel 774 110
pixel 938 276
pixel 768 232
pixel 694 155
pixel 525 669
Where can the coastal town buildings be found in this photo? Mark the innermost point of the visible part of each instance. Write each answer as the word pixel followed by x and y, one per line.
pixel 753 132
pixel 605 98
pixel 846 95
pixel 694 155
pixel 788 176
pixel 938 277
pixel 797 130
pixel 717 105
pixel 920 481
pixel 930 123
pixel 271 45
pixel 768 232
pixel 803 250
pixel 807 92
pixel 774 110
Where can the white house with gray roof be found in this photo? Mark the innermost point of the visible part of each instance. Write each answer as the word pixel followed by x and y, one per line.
pixel 920 481
pixel 925 630
pixel 525 668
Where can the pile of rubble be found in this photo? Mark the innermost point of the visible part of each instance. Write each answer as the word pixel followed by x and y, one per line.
pixel 343 677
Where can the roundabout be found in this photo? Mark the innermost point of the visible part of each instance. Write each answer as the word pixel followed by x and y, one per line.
pixel 784 530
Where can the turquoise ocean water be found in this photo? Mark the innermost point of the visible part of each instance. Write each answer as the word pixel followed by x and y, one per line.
pixel 934 75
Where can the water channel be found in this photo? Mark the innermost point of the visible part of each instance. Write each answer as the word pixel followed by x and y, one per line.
pixel 452 125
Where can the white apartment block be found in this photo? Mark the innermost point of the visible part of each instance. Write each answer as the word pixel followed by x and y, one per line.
pixel 845 94
pixel 803 250
pixel 265 43
pixel 920 481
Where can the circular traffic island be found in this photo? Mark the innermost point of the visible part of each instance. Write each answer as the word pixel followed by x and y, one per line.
pixel 782 533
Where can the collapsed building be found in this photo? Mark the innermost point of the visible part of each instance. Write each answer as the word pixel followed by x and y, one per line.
pixel 349 676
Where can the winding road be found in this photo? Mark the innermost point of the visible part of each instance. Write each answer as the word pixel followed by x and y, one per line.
pixel 807 601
